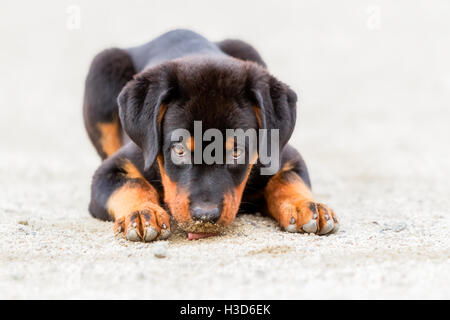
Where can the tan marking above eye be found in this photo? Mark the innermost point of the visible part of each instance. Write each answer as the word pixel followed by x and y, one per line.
pixel 190 144
pixel 229 144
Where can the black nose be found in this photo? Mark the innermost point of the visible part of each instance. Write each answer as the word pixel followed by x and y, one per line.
pixel 205 213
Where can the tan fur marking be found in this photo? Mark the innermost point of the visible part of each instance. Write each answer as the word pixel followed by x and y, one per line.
pixel 176 198
pixel 229 144
pixel 279 192
pixel 109 137
pixel 232 201
pixel 132 172
pixel 131 198
pixel 288 166
pixel 291 203
pixel 257 111
pixel 190 144
pixel 162 111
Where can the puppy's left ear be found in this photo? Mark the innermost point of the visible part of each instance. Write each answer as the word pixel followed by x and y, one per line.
pixel 277 105
pixel 142 106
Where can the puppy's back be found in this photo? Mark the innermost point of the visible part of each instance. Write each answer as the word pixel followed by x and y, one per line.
pixel 171 45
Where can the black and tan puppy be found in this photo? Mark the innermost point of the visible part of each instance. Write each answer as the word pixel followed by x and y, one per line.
pixel 136 98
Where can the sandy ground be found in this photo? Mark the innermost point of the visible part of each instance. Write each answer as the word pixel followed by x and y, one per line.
pixel 373 127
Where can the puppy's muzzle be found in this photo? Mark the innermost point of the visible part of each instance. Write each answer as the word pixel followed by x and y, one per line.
pixel 205 212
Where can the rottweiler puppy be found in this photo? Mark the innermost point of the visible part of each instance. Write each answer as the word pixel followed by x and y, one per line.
pixel 136 98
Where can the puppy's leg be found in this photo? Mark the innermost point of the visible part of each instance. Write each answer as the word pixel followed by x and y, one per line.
pixel 290 201
pixel 121 193
pixel 110 70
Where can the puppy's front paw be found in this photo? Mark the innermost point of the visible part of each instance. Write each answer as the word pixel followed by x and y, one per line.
pixel 306 216
pixel 148 224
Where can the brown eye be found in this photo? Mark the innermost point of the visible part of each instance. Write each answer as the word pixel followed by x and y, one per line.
pixel 237 152
pixel 178 149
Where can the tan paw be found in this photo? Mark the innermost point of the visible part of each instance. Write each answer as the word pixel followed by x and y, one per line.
pixel 308 217
pixel 151 223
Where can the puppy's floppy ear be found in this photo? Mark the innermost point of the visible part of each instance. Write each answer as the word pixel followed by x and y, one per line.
pixel 141 108
pixel 277 105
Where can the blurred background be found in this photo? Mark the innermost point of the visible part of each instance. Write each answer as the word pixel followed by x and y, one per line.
pixel 373 78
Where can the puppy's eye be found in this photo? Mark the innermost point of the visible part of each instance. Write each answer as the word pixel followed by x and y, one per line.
pixel 178 149
pixel 237 152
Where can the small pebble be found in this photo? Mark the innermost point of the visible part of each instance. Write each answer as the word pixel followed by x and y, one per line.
pixel 160 249
pixel 400 227
pixel 141 276
pixel 396 228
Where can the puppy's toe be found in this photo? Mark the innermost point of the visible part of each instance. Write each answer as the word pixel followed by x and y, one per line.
pixel 291 228
pixel 165 234
pixel 327 228
pixel 328 221
pixel 310 227
pixel 133 235
pixel 150 234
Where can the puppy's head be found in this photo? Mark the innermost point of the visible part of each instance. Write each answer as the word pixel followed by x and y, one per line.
pixel 217 94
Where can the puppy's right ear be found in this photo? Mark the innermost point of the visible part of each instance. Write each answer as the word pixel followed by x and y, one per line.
pixel 142 106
